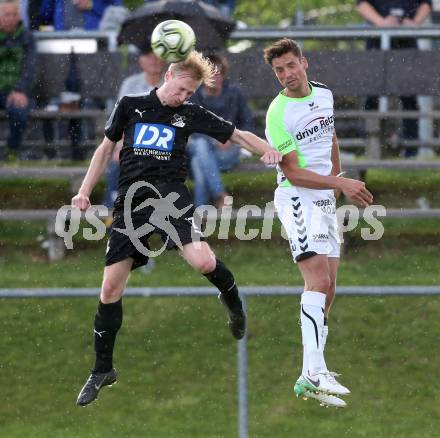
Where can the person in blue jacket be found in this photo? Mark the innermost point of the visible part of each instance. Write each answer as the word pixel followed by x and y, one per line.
pixel 75 14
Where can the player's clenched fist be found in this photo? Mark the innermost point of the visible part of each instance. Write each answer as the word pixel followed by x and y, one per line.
pixel 271 157
pixel 81 201
pixel 356 191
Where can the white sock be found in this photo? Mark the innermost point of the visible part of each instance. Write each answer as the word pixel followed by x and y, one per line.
pixel 312 323
pixel 305 368
pixel 324 336
pixel 305 363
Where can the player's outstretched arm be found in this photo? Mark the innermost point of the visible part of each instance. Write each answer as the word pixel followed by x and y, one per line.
pixel 98 164
pixel 352 188
pixel 256 145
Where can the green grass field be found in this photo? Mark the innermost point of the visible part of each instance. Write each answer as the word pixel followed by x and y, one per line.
pixel 176 358
pixel 414 243
pixel 177 366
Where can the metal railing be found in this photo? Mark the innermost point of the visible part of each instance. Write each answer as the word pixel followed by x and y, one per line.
pixel 272 33
pixel 80 41
pixel 336 33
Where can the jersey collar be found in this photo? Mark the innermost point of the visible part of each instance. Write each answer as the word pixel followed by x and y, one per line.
pixel 300 99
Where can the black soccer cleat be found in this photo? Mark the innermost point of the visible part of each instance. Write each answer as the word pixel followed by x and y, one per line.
pixel 237 319
pixel 95 382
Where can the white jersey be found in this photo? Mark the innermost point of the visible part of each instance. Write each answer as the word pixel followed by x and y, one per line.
pixel 304 125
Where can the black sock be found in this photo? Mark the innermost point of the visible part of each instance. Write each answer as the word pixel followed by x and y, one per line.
pixel 325 320
pixel 108 321
pixel 221 277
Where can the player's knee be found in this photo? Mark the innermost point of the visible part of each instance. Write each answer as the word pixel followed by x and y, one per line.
pixel 332 288
pixel 110 291
pixel 205 265
pixel 320 284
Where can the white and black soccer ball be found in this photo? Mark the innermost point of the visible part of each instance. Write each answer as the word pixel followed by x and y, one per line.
pixel 173 40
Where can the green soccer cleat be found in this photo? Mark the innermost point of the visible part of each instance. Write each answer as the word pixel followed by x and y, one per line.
pixel 320 383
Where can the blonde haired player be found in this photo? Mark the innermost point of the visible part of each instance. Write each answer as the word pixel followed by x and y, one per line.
pixel 155 129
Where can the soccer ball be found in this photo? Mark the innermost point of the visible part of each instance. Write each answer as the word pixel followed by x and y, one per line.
pixel 173 40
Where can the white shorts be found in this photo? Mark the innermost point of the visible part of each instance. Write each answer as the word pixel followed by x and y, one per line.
pixel 309 219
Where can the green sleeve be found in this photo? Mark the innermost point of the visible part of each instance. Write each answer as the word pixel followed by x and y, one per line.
pixel 276 131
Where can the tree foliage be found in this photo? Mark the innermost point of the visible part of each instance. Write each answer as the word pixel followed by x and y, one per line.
pixel 270 13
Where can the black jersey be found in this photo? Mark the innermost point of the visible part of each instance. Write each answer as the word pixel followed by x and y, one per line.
pixel 155 137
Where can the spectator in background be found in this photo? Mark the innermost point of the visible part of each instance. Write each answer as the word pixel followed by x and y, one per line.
pixel 208 157
pixel 226 7
pixel 27 7
pixel 394 13
pixel 151 76
pixel 17 64
pixel 113 18
pixel 75 14
pixel 31 9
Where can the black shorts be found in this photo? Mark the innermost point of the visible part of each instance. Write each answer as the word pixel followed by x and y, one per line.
pixel 169 215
